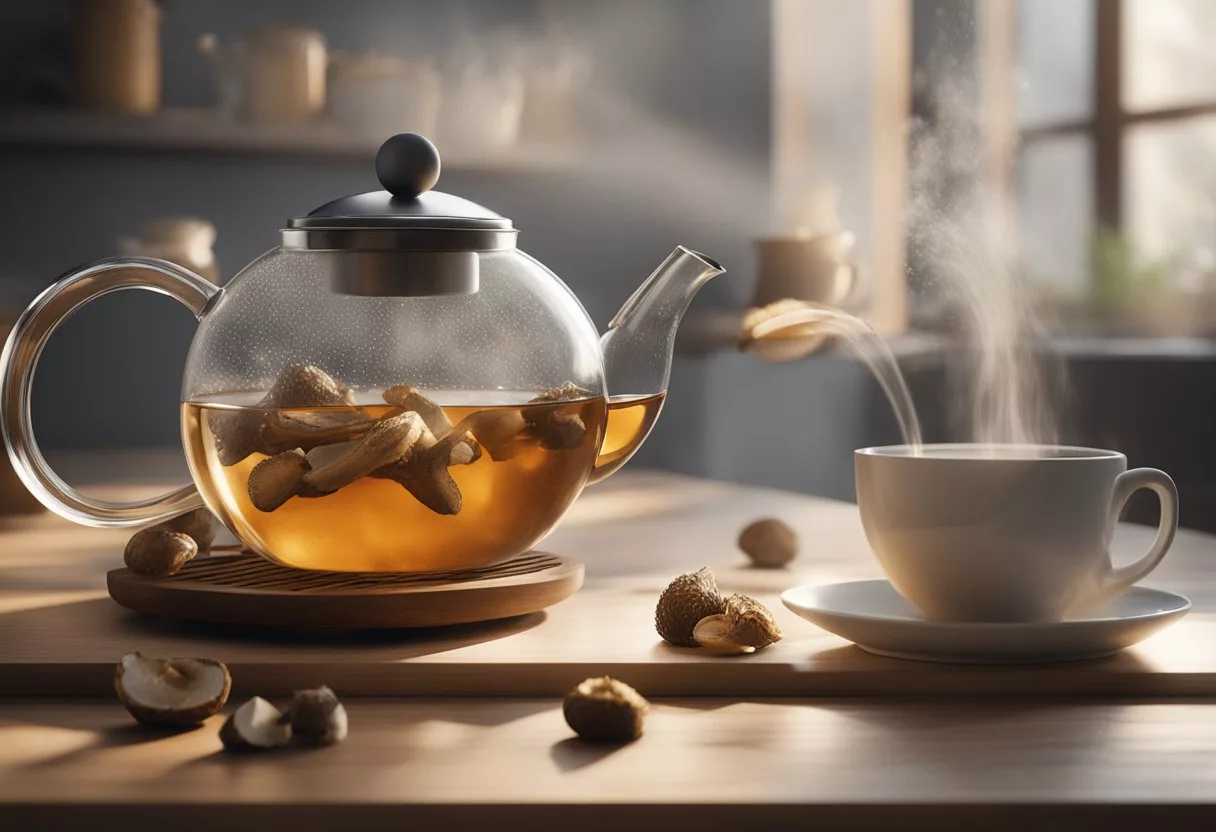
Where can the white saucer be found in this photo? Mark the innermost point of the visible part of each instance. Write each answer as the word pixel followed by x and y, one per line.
pixel 876 618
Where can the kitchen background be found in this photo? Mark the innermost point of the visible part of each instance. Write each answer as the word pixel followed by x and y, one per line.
pixel 609 131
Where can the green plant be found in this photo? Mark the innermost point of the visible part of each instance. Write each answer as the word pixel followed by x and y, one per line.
pixel 1121 276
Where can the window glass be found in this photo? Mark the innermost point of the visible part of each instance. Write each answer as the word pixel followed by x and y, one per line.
pixel 1170 196
pixel 1168 59
pixel 1055 54
pixel 1055 202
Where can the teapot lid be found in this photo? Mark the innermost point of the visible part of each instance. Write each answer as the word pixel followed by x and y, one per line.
pixel 406 216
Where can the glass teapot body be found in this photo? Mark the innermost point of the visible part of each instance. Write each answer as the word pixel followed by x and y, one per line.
pixel 282 367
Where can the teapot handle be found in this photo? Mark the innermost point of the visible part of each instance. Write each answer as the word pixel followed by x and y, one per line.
pixel 20 358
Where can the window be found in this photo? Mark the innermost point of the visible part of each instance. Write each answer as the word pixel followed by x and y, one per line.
pixel 1116 169
pixel 1096 117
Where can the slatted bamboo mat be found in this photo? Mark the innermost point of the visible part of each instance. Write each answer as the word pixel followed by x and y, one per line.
pixel 247 590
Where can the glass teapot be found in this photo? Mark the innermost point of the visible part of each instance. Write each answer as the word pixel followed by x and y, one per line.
pixel 396 387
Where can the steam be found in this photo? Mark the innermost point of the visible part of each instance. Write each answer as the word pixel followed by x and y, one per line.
pixel 963 243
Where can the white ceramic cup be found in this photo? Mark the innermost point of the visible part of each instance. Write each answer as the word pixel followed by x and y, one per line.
pixel 1004 532
pixel 819 269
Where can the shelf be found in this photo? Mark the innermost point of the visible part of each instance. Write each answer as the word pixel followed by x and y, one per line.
pixel 709 331
pixel 204 131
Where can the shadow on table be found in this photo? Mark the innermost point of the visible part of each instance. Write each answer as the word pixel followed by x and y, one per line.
pixel 417 641
pixel 1124 674
pixel 573 754
pixel 105 737
pixel 407 715
pixel 129 735
pixel 104 726
pixel 100 630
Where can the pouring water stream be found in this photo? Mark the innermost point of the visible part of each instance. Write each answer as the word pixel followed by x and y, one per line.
pixel 863 342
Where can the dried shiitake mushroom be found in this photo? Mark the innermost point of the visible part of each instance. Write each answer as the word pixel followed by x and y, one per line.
pixel 557 430
pixel 409 398
pixel 277 479
pixel 713 633
pixel 424 471
pixel 685 601
pixel 458 449
pixel 256 725
pixel 751 623
pixel 317 717
pixel 178 693
pixel 770 543
pixel 744 626
pixel 603 709
pixel 285 430
pixel 388 441
pixel 322 455
pixel 200 525
pixel 165 548
pixel 238 433
pixel 566 393
pixel 507 432
pixel 156 552
pixel 235 433
pixel 304 385
pixel 400 447
pixel 502 432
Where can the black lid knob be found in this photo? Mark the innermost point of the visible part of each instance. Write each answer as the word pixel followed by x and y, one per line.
pixel 407 165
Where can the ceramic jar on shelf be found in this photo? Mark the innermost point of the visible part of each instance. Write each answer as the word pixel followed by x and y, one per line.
pixel 118 55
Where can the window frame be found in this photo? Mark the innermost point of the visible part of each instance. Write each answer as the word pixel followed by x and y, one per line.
pixel 1107 128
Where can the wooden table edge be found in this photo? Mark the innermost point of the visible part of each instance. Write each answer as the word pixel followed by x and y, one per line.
pixel 603 816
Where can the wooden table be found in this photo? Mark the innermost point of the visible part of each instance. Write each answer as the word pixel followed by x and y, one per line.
pixel 812 731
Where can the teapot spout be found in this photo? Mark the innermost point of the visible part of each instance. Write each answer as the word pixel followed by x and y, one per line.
pixel 638 346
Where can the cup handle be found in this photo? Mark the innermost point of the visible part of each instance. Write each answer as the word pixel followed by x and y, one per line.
pixel 1119 579
pixel 20 359
pixel 858 293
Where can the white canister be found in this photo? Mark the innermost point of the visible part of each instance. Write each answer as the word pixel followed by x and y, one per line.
pixel 378 95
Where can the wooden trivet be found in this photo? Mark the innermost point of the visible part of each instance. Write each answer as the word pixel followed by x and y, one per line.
pixel 249 590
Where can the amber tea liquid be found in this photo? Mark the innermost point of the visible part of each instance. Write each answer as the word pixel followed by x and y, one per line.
pixel 630 419
pixel 373 524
